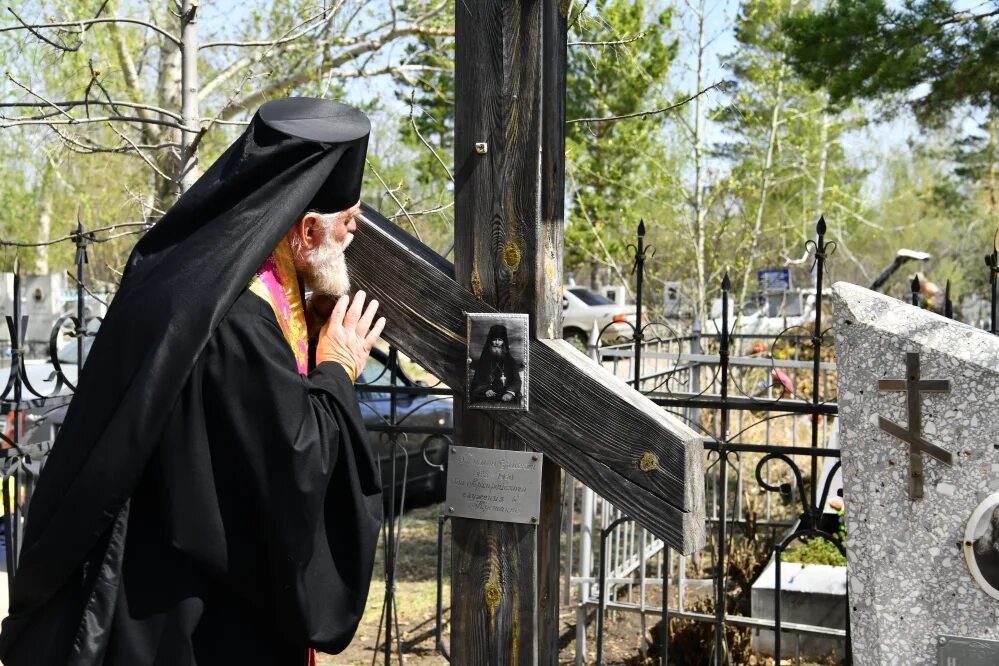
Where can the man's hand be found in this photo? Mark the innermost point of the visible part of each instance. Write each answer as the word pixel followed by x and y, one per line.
pixel 348 336
pixel 490 393
pixel 508 396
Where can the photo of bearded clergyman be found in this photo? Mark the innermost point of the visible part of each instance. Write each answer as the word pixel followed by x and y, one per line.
pixel 497 361
pixel 984 555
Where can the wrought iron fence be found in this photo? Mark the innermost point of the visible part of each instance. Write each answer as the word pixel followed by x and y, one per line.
pixel 710 380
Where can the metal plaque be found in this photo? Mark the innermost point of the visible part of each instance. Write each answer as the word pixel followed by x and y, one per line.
pixel 492 484
pixel 963 651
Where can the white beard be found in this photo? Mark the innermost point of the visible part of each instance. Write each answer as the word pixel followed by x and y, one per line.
pixel 324 268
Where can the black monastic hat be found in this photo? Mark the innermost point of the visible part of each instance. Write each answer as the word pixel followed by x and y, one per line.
pixel 330 123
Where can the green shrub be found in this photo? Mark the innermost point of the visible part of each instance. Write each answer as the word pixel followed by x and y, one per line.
pixel 815 551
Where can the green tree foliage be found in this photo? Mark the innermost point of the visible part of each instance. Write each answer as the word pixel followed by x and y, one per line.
pixel 424 162
pixel 938 61
pixel 924 203
pixel 612 164
pixel 788 165
pixel 425 85
pixel 868 49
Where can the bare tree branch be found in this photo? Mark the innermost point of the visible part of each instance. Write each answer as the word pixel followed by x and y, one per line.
pixel 17 83
pixel 272 49
pixel 651 112
pixel 412 123
pixel 20 122
pixel 61 105
pixel 92 295
pixel 39 35
pixel 579 14
pixel 72 24
pixel 420 213
pixel 391 193
pixel 234 123
pixel 89 232
pixel 138 151
pixel 617 42
pixel 302 76
pixel 91 148
pixel 327 15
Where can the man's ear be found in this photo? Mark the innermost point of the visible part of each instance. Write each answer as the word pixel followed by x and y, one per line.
pixel 309 229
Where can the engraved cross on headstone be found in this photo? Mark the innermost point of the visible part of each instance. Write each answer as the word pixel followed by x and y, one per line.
pixel 918 445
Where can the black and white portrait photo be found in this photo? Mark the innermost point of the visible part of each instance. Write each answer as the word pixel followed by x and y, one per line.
pixel 497 361
pixel 982 544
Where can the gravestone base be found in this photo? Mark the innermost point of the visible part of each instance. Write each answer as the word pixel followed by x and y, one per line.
pixel 810 594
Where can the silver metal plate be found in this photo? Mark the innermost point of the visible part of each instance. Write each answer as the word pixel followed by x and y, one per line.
pixel 963 651
pixel 490 484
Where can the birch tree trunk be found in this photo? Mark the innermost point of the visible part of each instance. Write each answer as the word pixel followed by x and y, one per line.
pixel 993 207
pixel 820 182
pixel 190 136
pixel 768 160
pixel 700 214
pixel 44 223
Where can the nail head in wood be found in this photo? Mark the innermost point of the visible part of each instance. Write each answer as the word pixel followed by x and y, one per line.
pixel 481 148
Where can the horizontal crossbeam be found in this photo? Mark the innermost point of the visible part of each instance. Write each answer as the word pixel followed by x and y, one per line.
pixel 588 421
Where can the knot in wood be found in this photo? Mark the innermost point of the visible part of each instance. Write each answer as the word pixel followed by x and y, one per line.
pixel 511 256
pixel 493 595
pixel 476 284
pixel 649 462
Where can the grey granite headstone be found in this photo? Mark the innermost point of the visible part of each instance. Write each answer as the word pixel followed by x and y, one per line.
pixel 909 581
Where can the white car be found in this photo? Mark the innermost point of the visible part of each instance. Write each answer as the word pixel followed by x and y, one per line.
pixel 581 309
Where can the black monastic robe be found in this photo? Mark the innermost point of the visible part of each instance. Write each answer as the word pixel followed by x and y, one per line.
pixel 204 503
pixel 249 537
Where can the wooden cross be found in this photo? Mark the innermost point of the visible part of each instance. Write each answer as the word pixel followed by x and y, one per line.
pixel 913 386
pixel 509 194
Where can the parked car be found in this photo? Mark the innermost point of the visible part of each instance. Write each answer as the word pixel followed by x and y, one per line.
pixel 581 309
pixel 419 456
pixel 425 422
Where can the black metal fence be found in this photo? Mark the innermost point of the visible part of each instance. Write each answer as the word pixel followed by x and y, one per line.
pixel 698 387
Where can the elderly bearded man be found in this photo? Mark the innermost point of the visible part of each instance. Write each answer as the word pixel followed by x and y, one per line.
pixel 211 498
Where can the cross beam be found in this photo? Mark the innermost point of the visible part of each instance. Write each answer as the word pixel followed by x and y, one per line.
pixel 609 436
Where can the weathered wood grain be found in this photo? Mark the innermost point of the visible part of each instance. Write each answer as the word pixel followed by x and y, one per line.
pixel 548 306
pixel 590 422
pixel 496 224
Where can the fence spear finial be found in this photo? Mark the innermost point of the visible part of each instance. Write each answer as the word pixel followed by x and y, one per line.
pixel 641 227
pixel 820 226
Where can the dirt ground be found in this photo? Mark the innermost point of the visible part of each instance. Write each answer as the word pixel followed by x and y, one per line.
pixel 416 598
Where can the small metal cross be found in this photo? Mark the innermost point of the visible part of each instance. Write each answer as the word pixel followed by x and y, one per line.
pixel 912 435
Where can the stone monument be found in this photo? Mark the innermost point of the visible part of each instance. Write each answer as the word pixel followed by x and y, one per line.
pixel 919 433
